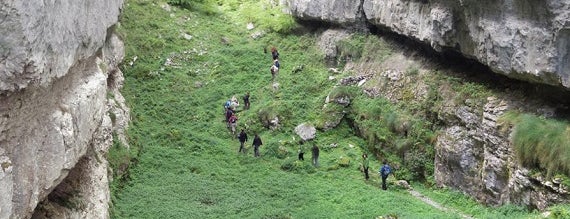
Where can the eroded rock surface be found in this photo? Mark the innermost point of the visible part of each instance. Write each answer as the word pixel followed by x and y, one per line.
pixel 528 40
pixel 56 61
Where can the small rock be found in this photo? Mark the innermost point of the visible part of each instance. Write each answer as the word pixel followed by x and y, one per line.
pixel 360 83
pixel 198 84
pixel 331 78
pixel 166 7
pixel 298 68
pixel 225 40
pixel 345 101
pixel 257 35
pixel 275 86
pixel 403 184
pixel 274 123
pixel 334 70
pixel 250 26
pixel 187 36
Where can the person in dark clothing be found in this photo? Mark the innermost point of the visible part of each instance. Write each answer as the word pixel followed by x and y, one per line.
pixel 229 113
pixel 301 151
pixel 315 151
pixel 256 143
pixel 274 53
pixel 246 101
pixel 233 123
pixel 242 139
pixel 385 171
pixel 365 165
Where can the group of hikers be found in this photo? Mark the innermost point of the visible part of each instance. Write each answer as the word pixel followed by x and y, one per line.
pixel 231 121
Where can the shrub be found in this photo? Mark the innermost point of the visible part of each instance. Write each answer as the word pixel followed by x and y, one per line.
pixel 540 143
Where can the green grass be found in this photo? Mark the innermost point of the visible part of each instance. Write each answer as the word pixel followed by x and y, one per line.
pixel 541 143
pixel 187 165
pixel 468 206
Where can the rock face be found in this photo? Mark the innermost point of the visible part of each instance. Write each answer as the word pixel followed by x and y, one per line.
pixel 58 68
pixel 336 11
pixel 474 152
pixel 528 40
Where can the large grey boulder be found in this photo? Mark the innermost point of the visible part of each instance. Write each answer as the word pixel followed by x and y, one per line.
pixel 306 131
pixel 56 58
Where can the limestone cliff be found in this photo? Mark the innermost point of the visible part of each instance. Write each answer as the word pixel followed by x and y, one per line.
pixel 473 150
pixel 58 65
pixel 528 40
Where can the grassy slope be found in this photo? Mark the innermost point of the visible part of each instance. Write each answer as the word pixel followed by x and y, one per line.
pixel 189 166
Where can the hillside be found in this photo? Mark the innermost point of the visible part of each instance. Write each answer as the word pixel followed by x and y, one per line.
pixel 183 63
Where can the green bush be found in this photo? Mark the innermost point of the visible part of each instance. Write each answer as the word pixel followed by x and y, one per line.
pixel 540 143
pixel 559 212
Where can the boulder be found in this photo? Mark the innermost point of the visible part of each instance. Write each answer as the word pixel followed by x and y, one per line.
pixel 306 131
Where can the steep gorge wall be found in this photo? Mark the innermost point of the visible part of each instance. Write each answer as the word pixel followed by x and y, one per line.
pixel 528 40
pixel 58 66
pixel 474 151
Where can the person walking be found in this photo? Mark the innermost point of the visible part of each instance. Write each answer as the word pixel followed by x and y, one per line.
pixel 229 113
pixel 242 139
pixel 256 143
pixel 246 101
pixel 315 151
pixel 233 123
pixel 384 171
pixel 301 151
pixel 274 53
pixel 275 69
pixel 365 164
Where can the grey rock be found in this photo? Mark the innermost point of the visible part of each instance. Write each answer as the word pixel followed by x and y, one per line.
pixel 42 41
pixel 306 131
pixel 58 68
pixel 328 43
pixel 250 26
pixel 527 40
pixel 343 12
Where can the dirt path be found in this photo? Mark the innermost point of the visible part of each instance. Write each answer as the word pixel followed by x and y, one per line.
pixel 428 201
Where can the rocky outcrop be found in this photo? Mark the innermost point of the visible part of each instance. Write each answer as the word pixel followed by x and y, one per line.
pixel 473 150
pixel 528 40
pixel 342 12
pixel 58 68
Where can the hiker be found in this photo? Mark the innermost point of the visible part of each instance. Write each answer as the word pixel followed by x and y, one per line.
pixel 365 165
pixel 246 101
pixel 227 104
pixel 274 69
pixel 256 143
pixel 234 103
pixel 233 123
pixel 301 151
pixel 315 151
pixel 242 139
pixel 274 53
pixel 384 171
pixel 229 113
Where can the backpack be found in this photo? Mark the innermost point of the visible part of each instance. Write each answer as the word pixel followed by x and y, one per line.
pixel 277 64
pixel 227 104
pixel 386 170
